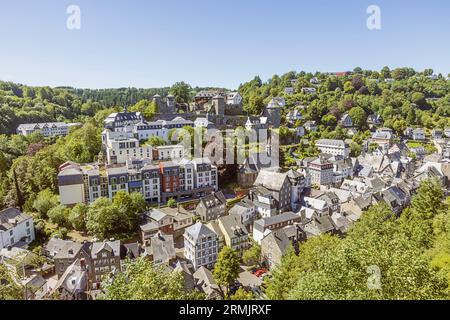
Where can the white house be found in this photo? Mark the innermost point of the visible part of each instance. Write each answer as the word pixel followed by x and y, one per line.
pixel 245 210
pixel 201 245
pixel 309 90
pixel 447 132
pixel 234 98
pixel 346 121
pixel 334 147
pixel 310 126
pixel 171 152
pixel 15 228
pixel 289 90
pixel 314 80
pixel 294 115
pixel 418 134
pixel 300 131
pixel 203 122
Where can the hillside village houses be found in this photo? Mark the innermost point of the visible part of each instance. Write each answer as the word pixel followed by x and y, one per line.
pixel 281 207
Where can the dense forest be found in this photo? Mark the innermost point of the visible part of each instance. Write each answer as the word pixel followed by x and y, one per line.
pixel 402 97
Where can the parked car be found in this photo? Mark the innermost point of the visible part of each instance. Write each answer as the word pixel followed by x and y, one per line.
pixel 260 272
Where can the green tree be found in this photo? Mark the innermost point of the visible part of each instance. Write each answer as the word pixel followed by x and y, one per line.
pixel 427 203
pixel 376 260
pixel 226 269
pixel 358 116
pixel 252 256
pixel 172 203
pixel 9 289
pixel 286 275
pixel 141 280
pixel 77 216
pixel 329 120
pixel 376 243
pixel 104 219
pixel 182 92
pixel 419 99
pixel 147 108
pixel 44 202
pixel 156 141
pixel 59 215
pixel 241 294
pixel 386 73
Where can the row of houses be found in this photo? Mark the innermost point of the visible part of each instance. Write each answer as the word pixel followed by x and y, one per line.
pixel 84 183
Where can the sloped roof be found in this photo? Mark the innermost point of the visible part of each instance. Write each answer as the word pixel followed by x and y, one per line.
pixel 110 246
pixel 11 216
pixel 271 180
pixel 279 238
pixel 162 248
pixel 200 230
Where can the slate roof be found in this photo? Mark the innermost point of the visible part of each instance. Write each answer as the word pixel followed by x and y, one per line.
pixel 280 239
pixel 214 200
pixel 110 246
pixel 232 226
pixel 270 180
pixel 74 273
pixel 265 222
pixel 331 143
pixel 199 230
pixel 162 248
pixel 10 217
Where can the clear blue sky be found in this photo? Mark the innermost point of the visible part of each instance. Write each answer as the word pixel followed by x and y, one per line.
pixel 155 43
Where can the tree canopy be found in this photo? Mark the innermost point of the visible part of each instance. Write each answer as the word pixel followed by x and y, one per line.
pixel 141 280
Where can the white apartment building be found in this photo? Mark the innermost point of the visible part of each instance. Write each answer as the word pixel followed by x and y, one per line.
pixel 201 245
pixel 321 171
pixel 120 147
pixel 49 129
pixel 15 228
pixel 160 128
pixel 205 174
pixel 146 130
pixel 171 152
pixel 333 147
pixel 187 175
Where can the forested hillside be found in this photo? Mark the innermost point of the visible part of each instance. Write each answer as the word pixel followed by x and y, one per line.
pixel 402 97
pixel 26 104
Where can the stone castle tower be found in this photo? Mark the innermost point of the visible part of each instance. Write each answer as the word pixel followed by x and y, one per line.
pixel 273 113
pixel 218 102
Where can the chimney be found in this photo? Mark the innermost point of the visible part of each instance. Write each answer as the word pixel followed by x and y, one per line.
pixel 83 264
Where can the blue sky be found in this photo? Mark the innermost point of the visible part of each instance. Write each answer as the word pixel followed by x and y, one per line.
pixel 155 43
